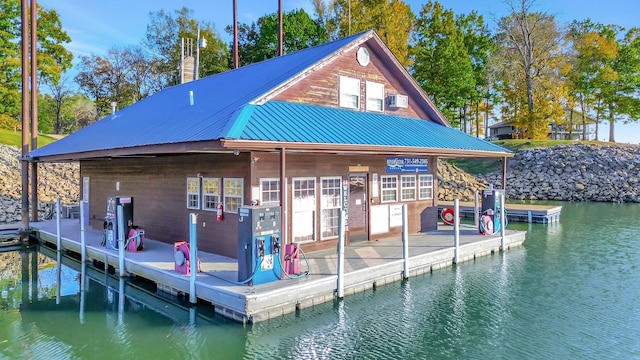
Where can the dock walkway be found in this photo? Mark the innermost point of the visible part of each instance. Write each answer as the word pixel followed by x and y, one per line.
pixel 545 214
pixel 367 264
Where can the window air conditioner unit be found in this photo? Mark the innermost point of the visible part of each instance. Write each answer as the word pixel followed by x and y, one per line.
pixel 398 101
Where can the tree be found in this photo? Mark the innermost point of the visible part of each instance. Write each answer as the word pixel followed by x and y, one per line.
pixel 530 50
pixel 163 40
pixel 259 41
pixel 392 20
pixel 480 48
pixel 124 76
pixel 53 58
pixel 59 98
pixel 593 54
pixel 441 64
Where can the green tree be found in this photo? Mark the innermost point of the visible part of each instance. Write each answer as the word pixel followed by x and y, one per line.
pixel 480 48
pixel 53 58
pixel 532 64
pixel 259 41
pixel 164 38
pixel 592 57
pixel 441 63
pixel 392 20
pixel 620 97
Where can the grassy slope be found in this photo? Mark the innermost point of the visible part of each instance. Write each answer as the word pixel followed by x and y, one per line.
pixel 14 138
pixel 482 166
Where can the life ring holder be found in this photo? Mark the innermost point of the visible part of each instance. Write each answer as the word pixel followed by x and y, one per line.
pixel 447 216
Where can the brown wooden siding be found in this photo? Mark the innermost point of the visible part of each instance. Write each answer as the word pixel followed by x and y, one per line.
pixel 158 186
pixel 321 87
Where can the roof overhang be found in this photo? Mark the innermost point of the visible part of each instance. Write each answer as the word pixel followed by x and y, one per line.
pixel 249 145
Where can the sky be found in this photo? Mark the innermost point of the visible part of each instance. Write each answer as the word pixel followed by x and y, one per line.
pixel 96 26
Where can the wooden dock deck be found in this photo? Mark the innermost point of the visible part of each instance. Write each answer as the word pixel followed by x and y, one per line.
pixel 531 213
pixel 367 264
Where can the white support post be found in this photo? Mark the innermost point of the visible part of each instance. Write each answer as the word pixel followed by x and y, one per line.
pixel 456 230
pixel 529 217
pixel 59 252
pixel 83 242
pixel 120 240
pixel 341 256
pixel 405 240
pixel 193 256
pixel 476 209
pixel 502 223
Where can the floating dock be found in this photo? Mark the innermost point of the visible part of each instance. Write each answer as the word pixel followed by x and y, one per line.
pixel 544 214
pixel 367 264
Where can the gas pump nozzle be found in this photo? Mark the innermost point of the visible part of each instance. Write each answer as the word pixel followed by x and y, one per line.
pixel 275 244
pixel 261 247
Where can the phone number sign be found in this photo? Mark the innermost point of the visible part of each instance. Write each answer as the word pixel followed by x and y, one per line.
pixel 407 165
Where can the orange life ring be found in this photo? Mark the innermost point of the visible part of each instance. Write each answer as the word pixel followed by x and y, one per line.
pixel 447 216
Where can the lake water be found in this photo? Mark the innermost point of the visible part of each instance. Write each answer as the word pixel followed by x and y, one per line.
pixel 571 292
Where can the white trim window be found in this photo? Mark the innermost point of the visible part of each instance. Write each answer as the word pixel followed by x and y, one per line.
pixel 233 194
pixel 269 191
pixel 425 187
pixel 193 193
pixel 349 92
pixel 407 187
pixel 210 193
pixel 330 201
pixel 389 184
pixel 375 96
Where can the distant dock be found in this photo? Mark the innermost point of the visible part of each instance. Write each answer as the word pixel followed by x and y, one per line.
pixel 530 213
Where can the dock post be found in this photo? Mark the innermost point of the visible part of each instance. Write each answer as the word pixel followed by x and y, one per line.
pixel 529 217
pixel 502 223
pixel 476 209
pixel 59 252
pixel 83 242
pixel 83 281
pixel 341 256
pixel 120 239
pixel 405 240
pixel 193 255
pixel 456 230
pixel 121 299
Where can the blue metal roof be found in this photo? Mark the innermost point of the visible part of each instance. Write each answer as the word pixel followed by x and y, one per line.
pixel 223 109
pixel 304 123
pixel 167 116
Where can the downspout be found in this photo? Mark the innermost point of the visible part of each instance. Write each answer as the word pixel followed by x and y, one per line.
pixel 34 108
pixel 25 115
pixel 284 197
pixel 504 175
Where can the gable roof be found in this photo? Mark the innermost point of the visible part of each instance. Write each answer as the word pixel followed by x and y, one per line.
pixel 202 113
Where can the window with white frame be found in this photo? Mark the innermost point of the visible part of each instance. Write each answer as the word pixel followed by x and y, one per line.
pixel 349 92
pixel 193 193
pixel 330 207
pixel 375 96
pixel 270 191
pixel 210 193
pixel 425 186
pixel 407 187
pixel 389 184
pixel 233 194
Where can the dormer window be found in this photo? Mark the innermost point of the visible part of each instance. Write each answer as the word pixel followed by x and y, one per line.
pixel 375 96
pixel 349 92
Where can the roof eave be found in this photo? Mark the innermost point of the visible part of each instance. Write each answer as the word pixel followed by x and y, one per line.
pixel 359 149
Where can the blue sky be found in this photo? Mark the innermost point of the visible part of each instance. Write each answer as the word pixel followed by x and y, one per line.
pixel 96 26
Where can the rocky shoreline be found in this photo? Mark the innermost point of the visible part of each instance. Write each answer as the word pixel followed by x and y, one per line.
pixel 576 172
pixel 54 179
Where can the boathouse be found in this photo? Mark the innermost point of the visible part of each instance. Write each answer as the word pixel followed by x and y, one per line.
pixel 338 126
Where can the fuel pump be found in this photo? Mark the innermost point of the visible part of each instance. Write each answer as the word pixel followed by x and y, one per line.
pixel 259 244
pixel 490 213
pixel 111 220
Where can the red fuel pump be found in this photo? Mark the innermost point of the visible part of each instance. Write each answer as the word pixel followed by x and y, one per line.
pixel 291 259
